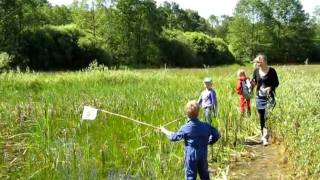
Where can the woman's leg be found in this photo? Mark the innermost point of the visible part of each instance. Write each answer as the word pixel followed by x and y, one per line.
pixel 262 118
pixel 264 133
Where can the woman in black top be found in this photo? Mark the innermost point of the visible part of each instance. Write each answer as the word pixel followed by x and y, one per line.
pixel 266 80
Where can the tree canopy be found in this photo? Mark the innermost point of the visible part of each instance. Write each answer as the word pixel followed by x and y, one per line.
pixel 138 33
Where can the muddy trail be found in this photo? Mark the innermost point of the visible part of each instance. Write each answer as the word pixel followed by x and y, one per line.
pixel 260 162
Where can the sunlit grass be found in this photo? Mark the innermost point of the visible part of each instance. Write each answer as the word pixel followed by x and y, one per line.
pixel 42 136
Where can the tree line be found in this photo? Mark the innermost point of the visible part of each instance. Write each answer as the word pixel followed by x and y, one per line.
pixel 138 33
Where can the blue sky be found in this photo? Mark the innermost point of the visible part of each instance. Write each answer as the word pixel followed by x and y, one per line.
pixel 208 7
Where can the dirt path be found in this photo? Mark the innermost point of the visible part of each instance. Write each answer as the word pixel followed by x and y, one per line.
pixel 260 163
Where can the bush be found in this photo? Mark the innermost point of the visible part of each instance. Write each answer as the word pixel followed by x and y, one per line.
pixel 203 46
pixel 195 49
pixel 224 56
pixel 5 60
pixel 315 54
pixel 58 48
pixel 177 54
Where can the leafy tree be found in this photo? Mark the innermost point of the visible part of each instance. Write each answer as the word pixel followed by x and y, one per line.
pixel 18 16
pixel 316 25
pixel 249 30
pixel 32 33
pixel 9 26
pixel 240 44
pixel 184 20
pixel 315 50
pixel 292 31
pixel 85 17
pixel 57 15
pixel 220 25
pixel 134 30
pixel 279 28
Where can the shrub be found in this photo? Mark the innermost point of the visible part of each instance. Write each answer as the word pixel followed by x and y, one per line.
pixel 58 48
pixel 5 60
pixel 195 49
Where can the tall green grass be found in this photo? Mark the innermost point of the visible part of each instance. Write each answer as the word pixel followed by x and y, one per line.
pixel 42 136
pixel 296 119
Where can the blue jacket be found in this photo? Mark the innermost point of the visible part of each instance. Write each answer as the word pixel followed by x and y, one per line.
pixel 197 135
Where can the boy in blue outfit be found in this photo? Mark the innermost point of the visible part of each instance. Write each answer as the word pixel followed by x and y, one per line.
pixel 197 135
pixel 208 100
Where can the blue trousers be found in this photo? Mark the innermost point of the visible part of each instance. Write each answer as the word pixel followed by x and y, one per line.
pixel 208 112
pixel 196 162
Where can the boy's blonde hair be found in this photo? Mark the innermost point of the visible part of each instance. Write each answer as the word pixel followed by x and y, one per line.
pixel 241 71
pixel 192 109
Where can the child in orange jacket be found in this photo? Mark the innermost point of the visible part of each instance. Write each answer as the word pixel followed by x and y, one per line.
pixel 244 99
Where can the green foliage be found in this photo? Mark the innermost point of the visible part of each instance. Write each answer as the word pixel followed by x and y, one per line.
pixel 9 27
pixel 223 56
pixel 135 27
pixel 199 48
pixel 130 33
pixel 177 53
pixel 315 50
pixel 203 46
pixel 18 16
pixel 239 41
pixel 54 48
pixel 220 26
pixel 5 60
pixel 184 20
pixel 57 15
pixel 279 28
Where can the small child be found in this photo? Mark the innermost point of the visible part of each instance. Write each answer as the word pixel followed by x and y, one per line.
pixel 197 135
pixel 244 98
pixel 208 100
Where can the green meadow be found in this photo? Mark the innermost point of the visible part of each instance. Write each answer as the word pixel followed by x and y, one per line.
pixel 42 135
